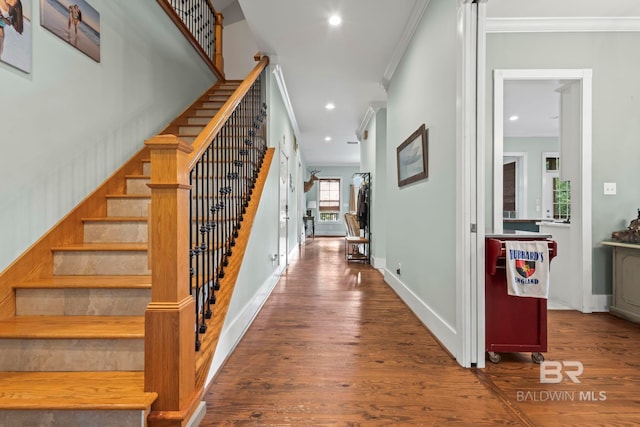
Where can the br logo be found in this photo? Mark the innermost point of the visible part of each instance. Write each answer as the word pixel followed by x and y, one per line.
pixel 525 268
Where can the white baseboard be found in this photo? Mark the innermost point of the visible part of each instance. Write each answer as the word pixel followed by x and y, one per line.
pixel 379 263
pixel 601 303
pixel 444 332
pixel 198 415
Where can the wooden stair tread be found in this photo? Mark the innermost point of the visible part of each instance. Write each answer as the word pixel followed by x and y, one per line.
pixel 84 282
pixel 72 327
pixel 74 390
pixel 88 247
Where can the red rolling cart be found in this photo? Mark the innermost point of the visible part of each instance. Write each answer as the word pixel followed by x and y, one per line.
pixel 512 323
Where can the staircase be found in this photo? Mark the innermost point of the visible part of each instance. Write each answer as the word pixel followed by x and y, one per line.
pixel 72 353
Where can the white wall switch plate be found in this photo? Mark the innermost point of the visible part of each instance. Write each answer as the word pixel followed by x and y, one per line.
pixel 610 188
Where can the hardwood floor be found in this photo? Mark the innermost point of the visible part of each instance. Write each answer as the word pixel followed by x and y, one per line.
pixel 335 346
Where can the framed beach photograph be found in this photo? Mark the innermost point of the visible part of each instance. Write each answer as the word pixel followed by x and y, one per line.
pixel 15 34
pixel 75 22
pixel 412 157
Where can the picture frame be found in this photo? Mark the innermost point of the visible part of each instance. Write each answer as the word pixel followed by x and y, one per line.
pixel 74 21
pixel 15 34
pixel 413 157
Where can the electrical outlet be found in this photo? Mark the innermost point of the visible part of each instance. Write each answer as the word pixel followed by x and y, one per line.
pixel 610 188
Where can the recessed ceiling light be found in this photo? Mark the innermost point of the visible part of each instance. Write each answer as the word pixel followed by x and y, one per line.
pixel 330 106
pixel 327 138
pixel 335 20
pixel 513 118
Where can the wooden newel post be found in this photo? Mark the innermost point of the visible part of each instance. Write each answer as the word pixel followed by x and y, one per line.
pixel 170 317
pixel 219 60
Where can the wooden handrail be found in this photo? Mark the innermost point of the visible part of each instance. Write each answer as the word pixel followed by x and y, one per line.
pixel 171 368
pixel 207 135
pixel 215 62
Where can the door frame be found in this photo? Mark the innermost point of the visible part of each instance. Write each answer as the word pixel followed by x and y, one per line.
pixel 585 78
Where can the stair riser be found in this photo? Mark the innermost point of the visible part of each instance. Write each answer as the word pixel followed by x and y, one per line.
pixel 64 355
pixel 128 207
pixel 82 302
pixel 214 103
pixel 207 112
pixel 72 417
pixel 201 121
pixel 138 186
pixel 87 263
pixel 190 130
pixel 146 168
pixel 116 231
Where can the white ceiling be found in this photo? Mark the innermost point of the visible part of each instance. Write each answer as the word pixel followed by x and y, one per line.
pixel 346 65
pixel 537 106
pixel 322 64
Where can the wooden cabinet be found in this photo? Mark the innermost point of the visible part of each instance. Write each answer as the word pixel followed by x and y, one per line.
pixel 626 280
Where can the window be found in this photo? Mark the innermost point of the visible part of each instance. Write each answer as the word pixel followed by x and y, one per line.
pixel 561 199
pixel 329 199
pixel 557 192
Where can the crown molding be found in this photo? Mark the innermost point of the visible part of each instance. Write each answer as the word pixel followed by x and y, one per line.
pixel 368 115
pixel 562 25
pixel 416 15
pixel 277 74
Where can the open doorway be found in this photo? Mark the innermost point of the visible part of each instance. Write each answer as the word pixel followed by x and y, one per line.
pixel 559 139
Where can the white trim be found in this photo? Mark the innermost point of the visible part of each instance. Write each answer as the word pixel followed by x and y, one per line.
pixel 414 19
pixel 468 249
pixel 196 417
pixel 481 102
pixel 277 73
pixel 562 25
pixel 585 76
pixel 601 303
pixel 379 263
pixel 444 332
pixel 368 115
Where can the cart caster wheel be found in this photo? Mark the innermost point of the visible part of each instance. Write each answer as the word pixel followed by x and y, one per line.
pixel 537 357
pixel 494 357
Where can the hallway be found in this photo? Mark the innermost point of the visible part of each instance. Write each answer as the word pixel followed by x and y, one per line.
pixel 335 346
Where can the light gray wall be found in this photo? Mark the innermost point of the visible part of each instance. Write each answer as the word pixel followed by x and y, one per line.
pixel 238 48
pixel 72 122
pixel 345 173
pixel 534 147
pixel 420 221
pixel 616 128
pixel 373 159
